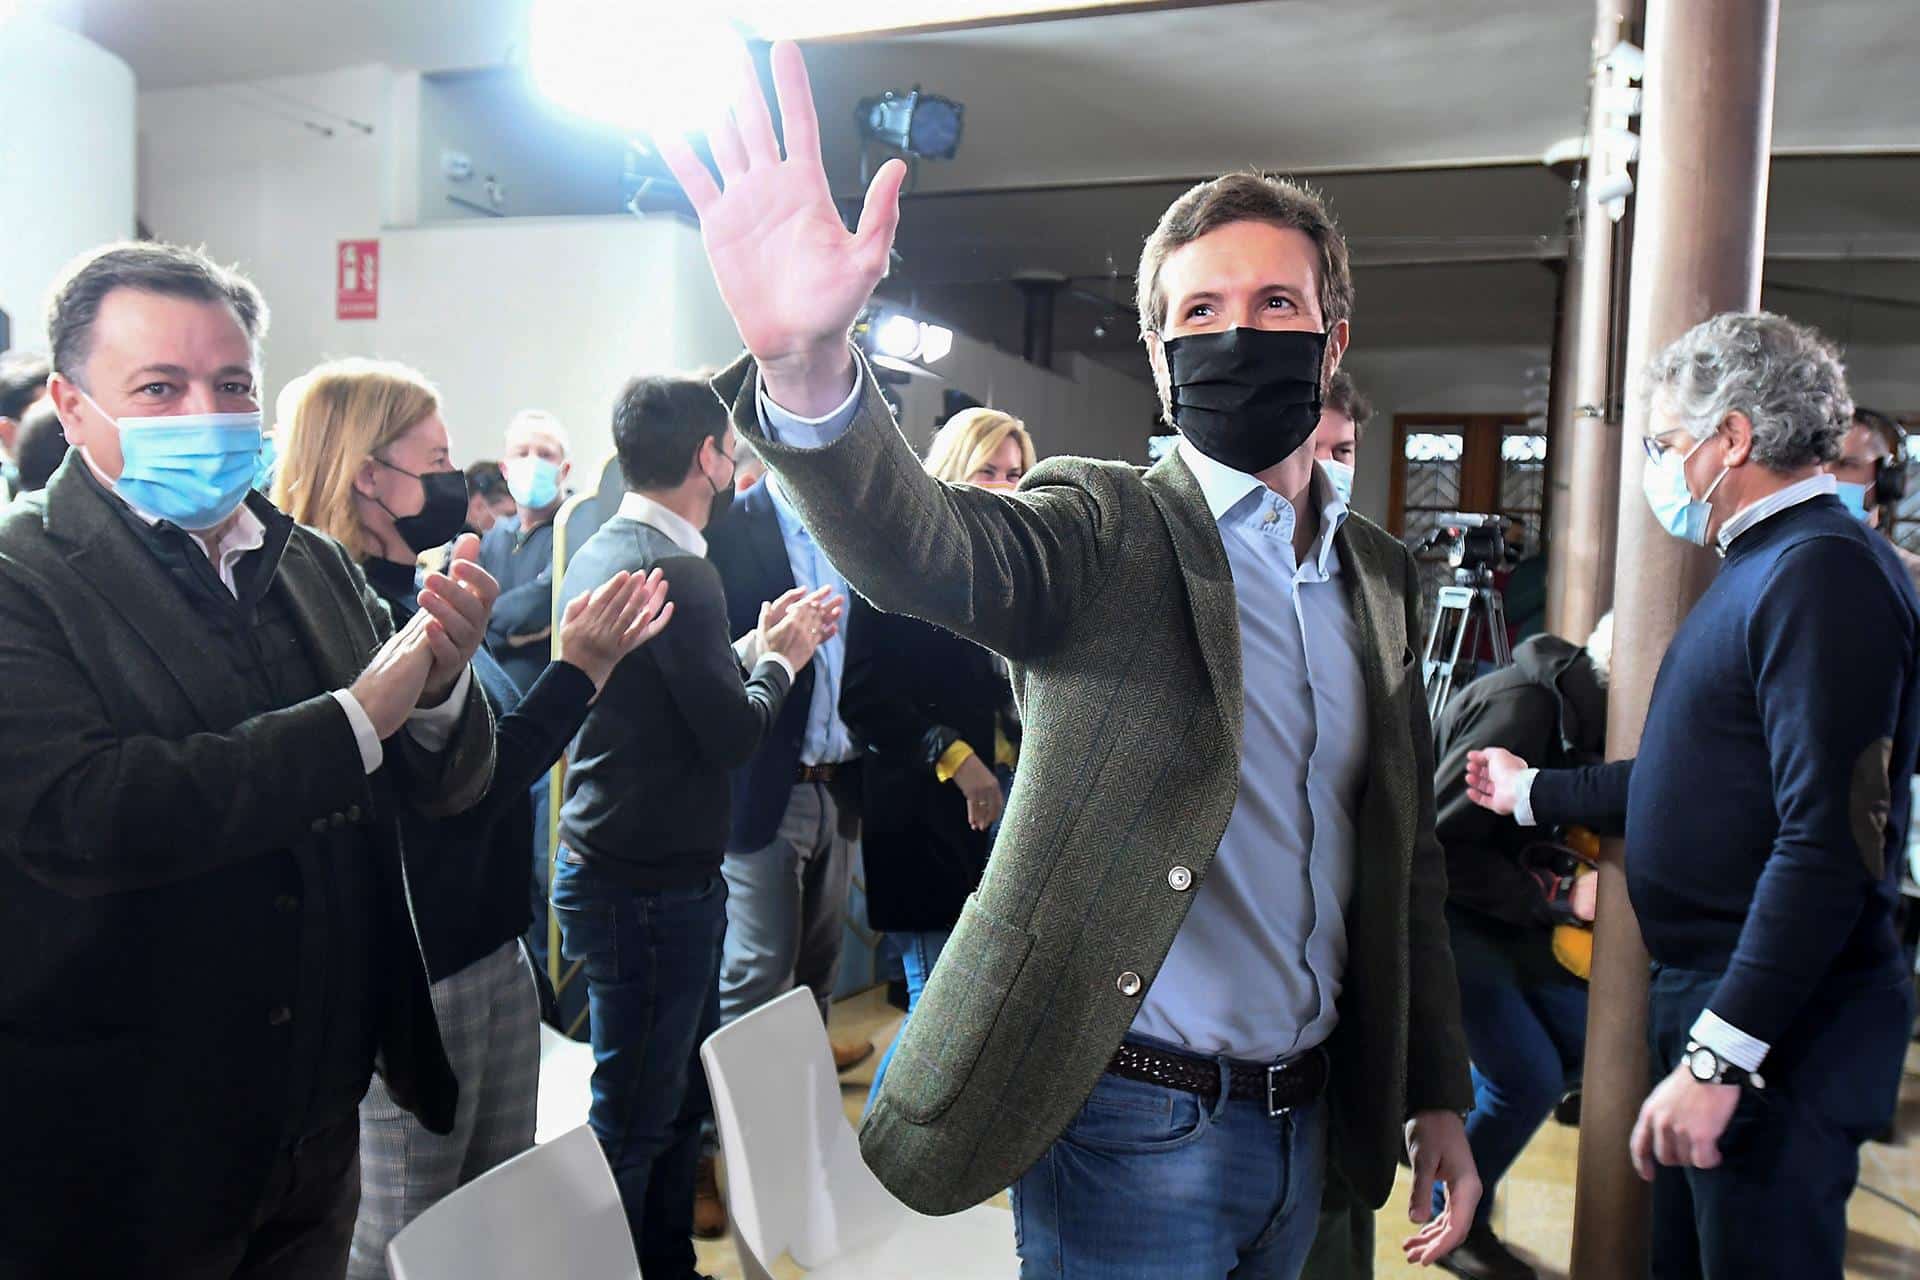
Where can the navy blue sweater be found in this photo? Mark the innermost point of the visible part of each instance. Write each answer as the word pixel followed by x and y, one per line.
pixel 1766 814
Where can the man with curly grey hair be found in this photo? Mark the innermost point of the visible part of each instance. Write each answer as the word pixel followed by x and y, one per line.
pixel 1765 814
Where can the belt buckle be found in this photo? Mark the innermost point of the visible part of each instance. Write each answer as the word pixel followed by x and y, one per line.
pixel 1274 1071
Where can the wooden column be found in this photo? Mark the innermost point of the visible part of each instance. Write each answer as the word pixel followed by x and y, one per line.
pixel 1587 422
pixel 1706 132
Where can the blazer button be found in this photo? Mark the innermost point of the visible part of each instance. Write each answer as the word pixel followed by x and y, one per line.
pixel 280 1017
pixel 319 824
pixel 1179 879
pixel 339 820
pixel 286 903
pixel 1129 983
pixel 353 814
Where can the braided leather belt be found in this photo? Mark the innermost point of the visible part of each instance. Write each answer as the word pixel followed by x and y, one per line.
pixel 1281 1086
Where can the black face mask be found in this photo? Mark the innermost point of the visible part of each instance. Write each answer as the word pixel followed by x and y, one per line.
pixel 441 517
pixel 1247 398
pixel 722 505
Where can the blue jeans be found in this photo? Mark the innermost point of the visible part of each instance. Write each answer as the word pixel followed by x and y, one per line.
pixel 1526 1025
pixel 1151 1183
pixel 919 952
pixel 652 964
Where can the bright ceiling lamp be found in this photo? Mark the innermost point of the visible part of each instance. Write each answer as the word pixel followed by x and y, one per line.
pixel 813 19
pixel 645 66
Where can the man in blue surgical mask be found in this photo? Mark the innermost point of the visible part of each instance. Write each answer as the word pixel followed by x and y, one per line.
pixel 209 724
pixel 519 551
pixel 1344 413
pixel 1871 476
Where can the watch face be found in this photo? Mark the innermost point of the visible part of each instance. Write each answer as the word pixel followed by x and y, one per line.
pixel 1704 1066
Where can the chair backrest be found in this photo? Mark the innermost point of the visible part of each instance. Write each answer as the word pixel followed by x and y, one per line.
pixel 553 1210
pixel 795 1179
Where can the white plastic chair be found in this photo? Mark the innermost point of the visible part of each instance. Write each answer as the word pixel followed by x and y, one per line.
pixel 566 1085
pixel 551 1211
pixel 795 1179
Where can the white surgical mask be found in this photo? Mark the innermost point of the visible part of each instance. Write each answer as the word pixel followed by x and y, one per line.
pixel 1340 476
pixel 1664 481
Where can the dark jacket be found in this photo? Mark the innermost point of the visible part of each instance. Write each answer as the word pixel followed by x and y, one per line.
pixel 1109 593
pixel 1550 709
pixel 747 549
pixel 647 790
pixel 152 831
pixel 472 873
pixel 522 563
pixel 912 690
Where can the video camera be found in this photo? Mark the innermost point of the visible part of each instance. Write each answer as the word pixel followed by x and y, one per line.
pixel 1476 541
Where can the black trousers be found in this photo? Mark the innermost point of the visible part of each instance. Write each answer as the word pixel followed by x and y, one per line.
pixel 303 1226
pixel 1777 1205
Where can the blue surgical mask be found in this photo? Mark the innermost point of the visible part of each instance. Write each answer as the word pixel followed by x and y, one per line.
pixel 1664 481
pixel 533 482
pixel 191 469
pixel 1854 498
pixel 269 459
pixel 1340 476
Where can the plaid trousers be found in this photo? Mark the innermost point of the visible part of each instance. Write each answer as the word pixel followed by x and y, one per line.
pixel 489 1016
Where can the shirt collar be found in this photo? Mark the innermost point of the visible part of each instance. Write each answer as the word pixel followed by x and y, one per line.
pixel 790 523
pixel 679 529
pixel 1773 504
pixel 1225 488
pixel 245 532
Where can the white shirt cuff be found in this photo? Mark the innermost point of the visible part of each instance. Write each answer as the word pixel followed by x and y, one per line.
pixel 747 649
pixel 788 428
pixel 783 662
pixel 1730 1042
pixel 1523 797
pixel 432 727
pixel 364 734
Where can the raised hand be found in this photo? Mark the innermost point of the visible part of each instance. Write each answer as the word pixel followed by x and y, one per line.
pixel 789 271
pixel 390 686
pixel 457 603
pixel 610 622
pixel 809 623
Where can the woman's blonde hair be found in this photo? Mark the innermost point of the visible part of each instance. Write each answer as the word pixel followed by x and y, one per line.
pixel 969 440
pixel 348 411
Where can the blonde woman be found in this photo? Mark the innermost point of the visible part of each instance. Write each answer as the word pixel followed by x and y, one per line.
pixel 367 460
pixel 934 715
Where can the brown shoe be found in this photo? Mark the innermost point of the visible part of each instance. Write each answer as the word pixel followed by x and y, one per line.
pixel 709 1211
pixel 850 1054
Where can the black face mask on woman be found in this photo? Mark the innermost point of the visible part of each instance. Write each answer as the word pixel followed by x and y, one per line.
pixel 441 517
pixel 1247 398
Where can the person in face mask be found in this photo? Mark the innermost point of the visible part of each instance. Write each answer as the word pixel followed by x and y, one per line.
pixel 519 550
pixel 1134 1019
pixel 1344 414
pixel 23 384
pixel 367 460
pixel 638 887
pixel 1871 475
pixel 209 733
pixel 1780 1003
pixel 935 718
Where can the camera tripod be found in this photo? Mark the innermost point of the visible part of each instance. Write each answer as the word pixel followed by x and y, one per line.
pixel 1460 611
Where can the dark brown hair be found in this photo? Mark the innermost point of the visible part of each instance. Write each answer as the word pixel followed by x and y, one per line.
pixel 1344 397
pixel 1246 196
pixel 150 267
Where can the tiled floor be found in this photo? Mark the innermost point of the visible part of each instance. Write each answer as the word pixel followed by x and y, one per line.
pixel 1535 1214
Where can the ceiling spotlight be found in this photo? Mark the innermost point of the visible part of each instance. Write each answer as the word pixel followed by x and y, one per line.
pixel 582 56
pixel 935 342
pixel 898 336
pixel 920 124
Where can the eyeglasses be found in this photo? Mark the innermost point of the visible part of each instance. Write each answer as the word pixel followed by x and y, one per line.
pixel 1657 447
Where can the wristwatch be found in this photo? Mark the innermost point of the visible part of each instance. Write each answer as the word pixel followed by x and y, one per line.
pixel 1708 1067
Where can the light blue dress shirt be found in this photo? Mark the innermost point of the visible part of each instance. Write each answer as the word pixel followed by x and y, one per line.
pixel 826 740
pixel 1256 968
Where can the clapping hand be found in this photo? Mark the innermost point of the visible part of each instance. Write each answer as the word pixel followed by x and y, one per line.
pixel 790 273
pixel 457 604
pixel 611 621
pixel 794 628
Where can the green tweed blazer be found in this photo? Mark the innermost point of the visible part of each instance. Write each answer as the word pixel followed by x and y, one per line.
pixel 1108 591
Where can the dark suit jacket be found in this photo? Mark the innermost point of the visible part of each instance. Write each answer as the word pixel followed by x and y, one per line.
pixel 647 792
pixel 142 819
pixel 747 549
pixel 1109 592
pixel 911 691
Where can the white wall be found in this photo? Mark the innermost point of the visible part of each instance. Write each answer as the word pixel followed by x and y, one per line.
pixel 231 167
pixel 66 162
pixel 1082 408
pixel 548 313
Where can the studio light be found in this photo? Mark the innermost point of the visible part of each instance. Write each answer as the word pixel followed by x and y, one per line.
pixel 644 66
pixel 898 336
pixel 936 342
pixel 920 124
